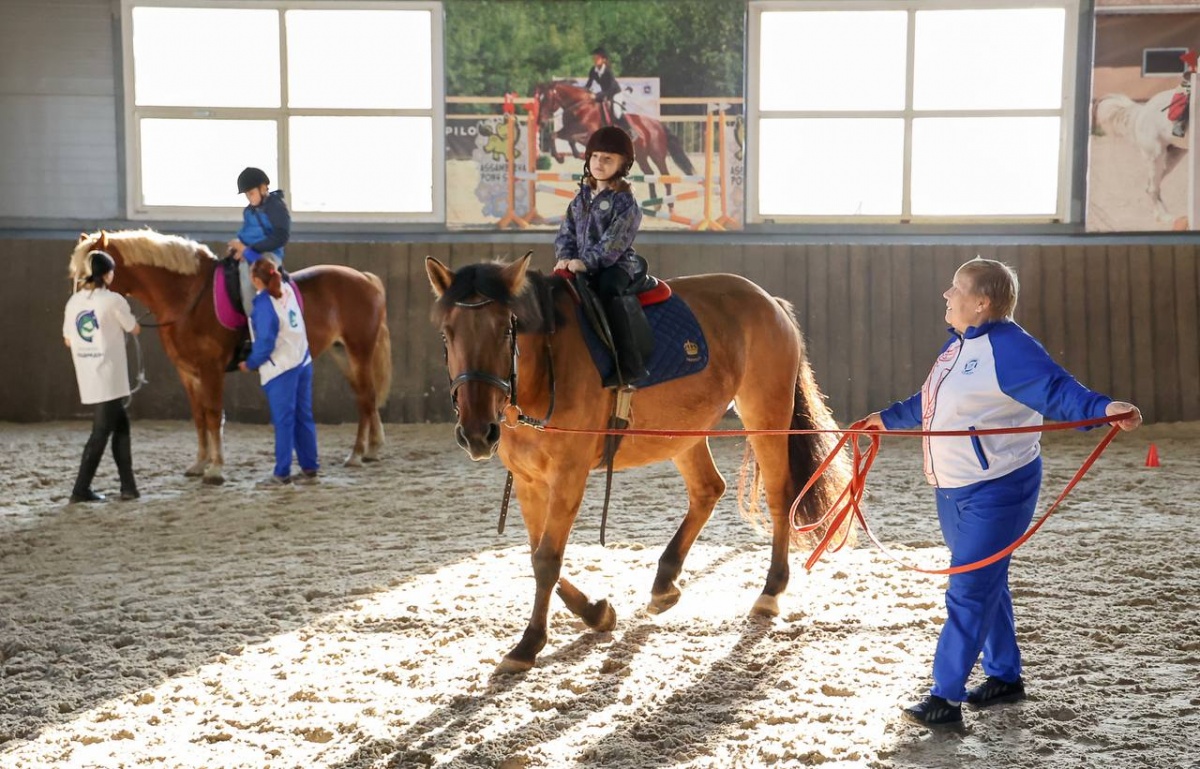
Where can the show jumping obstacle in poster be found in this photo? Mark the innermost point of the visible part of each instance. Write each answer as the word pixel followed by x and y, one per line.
pixel 1140 172
pixel 528 82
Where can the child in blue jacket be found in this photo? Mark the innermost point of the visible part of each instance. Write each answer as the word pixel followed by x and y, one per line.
pixel 266 226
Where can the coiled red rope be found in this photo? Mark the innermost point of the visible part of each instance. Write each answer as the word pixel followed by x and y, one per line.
pixel 847 504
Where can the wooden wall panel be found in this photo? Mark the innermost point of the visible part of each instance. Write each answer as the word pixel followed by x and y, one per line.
pixel 898 331
pixel 1123 318
pixel 1162 320
pixel 1120 332
pixel 1187 325
pixel 1141 313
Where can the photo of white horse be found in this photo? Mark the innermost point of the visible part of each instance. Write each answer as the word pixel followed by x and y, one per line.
pixel 1147 128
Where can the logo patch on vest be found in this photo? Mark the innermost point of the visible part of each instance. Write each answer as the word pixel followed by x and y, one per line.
pixel 292 319
pixel 970 366
pixel 87 324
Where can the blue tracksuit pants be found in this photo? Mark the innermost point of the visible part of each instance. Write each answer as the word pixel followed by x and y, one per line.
pixel 977 521
pixel 290 398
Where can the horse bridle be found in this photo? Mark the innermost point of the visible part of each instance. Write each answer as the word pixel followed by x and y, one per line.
pixel 512 412
pixel 507 386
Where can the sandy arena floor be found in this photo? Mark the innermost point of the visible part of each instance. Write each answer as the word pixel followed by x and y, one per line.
pixel 357 624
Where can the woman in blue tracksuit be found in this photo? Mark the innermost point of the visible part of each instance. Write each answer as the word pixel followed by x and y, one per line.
pixel 990 374
pixel 281 356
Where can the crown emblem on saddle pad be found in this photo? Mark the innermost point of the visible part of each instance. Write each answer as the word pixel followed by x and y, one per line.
pixel 691 350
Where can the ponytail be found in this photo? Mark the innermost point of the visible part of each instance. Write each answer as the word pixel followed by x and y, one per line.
pixel 264 270
pixel 99 265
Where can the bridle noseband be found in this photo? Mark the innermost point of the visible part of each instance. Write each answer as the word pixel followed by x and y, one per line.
pixel 507 386
pixel 512 415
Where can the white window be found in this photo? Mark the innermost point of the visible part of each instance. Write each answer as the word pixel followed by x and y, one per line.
pixel 340 103
pixel 911 110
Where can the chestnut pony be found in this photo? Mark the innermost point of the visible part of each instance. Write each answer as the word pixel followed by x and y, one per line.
pixel 756 360
pixel 173 278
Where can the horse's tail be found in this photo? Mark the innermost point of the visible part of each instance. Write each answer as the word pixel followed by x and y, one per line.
pixel 807 452
pixel 1116 113
pixel 675 147
pixel 381 356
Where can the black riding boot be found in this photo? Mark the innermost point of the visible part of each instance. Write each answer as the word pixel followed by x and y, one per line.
pixel 123 456
pixel 93 452
pixel 242 351
pixel 632 338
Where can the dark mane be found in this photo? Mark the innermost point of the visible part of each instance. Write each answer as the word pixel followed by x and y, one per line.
pixel 474 281
pixel 533 306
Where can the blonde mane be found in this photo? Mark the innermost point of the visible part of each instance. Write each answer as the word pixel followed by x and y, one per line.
pixel 143 248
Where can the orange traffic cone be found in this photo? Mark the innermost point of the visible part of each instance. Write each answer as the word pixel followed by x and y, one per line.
pixel 1152 456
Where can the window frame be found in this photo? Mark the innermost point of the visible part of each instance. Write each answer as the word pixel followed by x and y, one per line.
pixel 1065 112
pixel 133 114
pixel 1146 54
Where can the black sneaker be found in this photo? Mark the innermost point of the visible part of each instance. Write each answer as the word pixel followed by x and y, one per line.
pixel 995 691
pixel 934 711
pixel 86 496
pixel 128 495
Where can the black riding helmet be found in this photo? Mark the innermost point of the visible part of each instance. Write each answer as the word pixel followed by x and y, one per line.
pixel 610 139
pixel 599 51
pixel 251 178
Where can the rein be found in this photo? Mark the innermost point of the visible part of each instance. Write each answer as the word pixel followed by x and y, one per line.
pixel 141 370
pixel 847 504
pixel 192 305
pixel 511 415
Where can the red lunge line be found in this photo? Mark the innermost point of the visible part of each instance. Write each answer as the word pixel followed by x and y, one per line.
pixel 847 503
pixel 852 430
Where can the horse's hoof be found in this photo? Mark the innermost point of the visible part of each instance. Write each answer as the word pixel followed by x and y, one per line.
pixel 660 603
pixel 370 458
pixel 607 619
pixel 766 606
pixel 214 480
pixel 354 460
pixel 195 471
pixel 510 666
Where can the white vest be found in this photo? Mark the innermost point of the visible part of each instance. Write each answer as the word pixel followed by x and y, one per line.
pixel 291 344
pixel 95 322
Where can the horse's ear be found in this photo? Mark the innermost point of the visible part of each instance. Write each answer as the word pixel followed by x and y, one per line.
pixel 102 244
pixel 440 276
pixel 82 237
pixel 514 274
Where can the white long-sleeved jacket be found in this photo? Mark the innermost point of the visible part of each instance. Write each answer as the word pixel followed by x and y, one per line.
pixel 993 376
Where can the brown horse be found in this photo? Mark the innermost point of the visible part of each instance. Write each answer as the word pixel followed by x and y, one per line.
pixel 173 278
pixel 582 116
pixel 756 359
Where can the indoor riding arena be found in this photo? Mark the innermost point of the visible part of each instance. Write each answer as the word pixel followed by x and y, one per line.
pixel 458 583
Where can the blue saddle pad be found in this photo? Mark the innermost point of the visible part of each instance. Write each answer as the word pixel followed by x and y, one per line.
pixel 679 345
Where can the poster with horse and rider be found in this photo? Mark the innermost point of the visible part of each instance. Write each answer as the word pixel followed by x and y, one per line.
pixel 528 83
pixel 1141 170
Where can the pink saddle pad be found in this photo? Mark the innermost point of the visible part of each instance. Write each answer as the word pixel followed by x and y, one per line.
pixel 229 313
